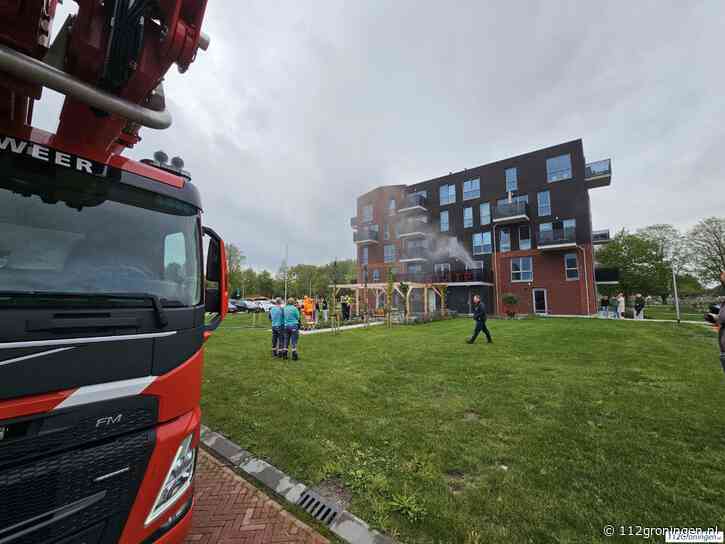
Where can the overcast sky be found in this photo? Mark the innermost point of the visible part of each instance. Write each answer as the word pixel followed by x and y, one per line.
pixel 298 107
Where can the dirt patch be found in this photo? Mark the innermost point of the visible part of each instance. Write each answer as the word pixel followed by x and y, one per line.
pixel 456 479
pixel 333 490
pixel 471 416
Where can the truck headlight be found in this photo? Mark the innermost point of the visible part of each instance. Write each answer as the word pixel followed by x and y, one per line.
pixel 177 481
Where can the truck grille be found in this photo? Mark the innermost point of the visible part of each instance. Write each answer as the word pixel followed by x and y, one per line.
pixel 46 499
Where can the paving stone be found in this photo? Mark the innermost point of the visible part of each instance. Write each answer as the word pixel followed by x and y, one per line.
pixel 230 510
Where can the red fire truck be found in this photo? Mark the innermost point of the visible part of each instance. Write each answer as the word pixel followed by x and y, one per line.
pixel 107 291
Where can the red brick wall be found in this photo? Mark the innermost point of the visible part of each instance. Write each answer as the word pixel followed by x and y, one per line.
pixel 563 296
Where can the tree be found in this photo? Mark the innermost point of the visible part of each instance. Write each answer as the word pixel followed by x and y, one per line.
pixel 235 259
pixel 706 244
pixel 688 285
pixel 640 264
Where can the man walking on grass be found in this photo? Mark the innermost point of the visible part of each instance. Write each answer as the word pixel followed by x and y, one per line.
pixel 479 316
pixel 291 328
pixel 276 316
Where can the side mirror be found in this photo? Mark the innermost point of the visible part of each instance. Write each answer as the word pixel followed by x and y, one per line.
pixel 216 291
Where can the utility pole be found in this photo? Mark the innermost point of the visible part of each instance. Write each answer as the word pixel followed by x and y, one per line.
pixel 286 269
pixel 674 292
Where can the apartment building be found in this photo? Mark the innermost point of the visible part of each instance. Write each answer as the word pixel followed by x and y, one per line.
pixel 521 225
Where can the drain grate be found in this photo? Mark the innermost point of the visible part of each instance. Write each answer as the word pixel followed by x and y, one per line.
pixel 316 506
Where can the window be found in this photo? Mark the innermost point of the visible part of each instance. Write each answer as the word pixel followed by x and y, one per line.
pixel 558 168
pixel 521 269
pixel 442 268
pixel 485 212
pixel 482 243
pixel 471 189
pixel 391 206
pixel 364 255
pixel 376 275
pixel 467 217
pixel 571 269
pixel 389 253
pixel 511 179
pixel 447 194
pixel 524 237
pixel 444 221
pixel 474 265
pixel 504 244
pixel 544 199
pixel 386 231
pixel 367 213
pixel 415 269
pixel 569 225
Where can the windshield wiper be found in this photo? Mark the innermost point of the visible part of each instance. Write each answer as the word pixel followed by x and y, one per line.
pixel 156 303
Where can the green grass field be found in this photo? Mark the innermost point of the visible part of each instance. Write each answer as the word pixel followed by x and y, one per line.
pixel 560 427
pixel 667 311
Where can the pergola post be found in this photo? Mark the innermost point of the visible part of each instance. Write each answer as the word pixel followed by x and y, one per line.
pixel 425 301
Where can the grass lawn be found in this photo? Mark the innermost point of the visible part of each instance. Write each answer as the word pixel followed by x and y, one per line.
pixel 667 311
pixel 558 428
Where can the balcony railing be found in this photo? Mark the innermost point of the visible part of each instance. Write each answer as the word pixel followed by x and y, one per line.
pixel 366 236
pixel 512 211
pixel 412 228
pixel 599 173
pixel 354 222
pixel 414 253
pixel 599 168
pixel 479 275
pixel 600 236
pixel 413 202
pixel 557 237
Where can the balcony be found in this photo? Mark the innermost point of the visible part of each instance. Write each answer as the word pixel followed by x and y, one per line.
pixel 606 276
pixel 600 236
pixel 550 240
pixel 366 236
pixel 470 276
pixel 413 203
pixel 599 173
pixel 354 222
pixel 412 229
pixel 513 212
pixel 414 254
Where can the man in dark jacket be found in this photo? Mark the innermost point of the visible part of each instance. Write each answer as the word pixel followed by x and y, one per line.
pixel 479 316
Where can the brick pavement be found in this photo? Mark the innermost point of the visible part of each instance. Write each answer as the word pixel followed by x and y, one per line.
pixel 230 510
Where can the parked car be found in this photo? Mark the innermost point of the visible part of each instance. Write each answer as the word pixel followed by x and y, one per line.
pixel 252 306
pixel 240 304
pixel 265 305
pixel 232 308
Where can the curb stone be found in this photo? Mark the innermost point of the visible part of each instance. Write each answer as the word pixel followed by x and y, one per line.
pixel 347 526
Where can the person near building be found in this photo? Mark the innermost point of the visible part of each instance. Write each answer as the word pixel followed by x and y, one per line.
pixel 639 304
pixel 604 306
pixel 325 309
pixel 277 319
pixel 292 321
pixel 620 306
pixel 479 316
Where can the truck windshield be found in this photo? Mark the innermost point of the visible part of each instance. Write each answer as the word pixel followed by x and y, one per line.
pixel 81 235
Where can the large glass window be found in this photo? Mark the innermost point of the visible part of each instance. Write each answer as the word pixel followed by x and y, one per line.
pixel 442 268
pixel 414 268
pixel 504 240
pixel 512 179
pixel 485 211
pixel 571 268
pixel 482 243
pixel 364 255
pixel 447 194
pixel 471 189
pixel 544 199
pixel 467 217
pixel 79 235
pixel 558 168
pixel 444 221
pixel 524 237
pixel 391 206
pixel 376 275
pixel 386 231
pixel 367 213
pixel 522 269
pixel 389 253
